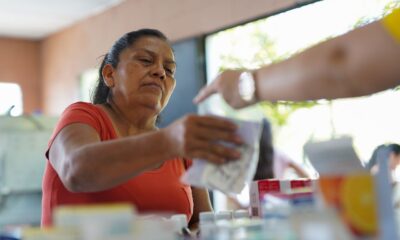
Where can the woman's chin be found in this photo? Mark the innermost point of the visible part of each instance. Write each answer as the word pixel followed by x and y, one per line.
pixel 152 104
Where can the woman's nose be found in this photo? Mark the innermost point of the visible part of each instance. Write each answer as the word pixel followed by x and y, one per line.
pixel 158 71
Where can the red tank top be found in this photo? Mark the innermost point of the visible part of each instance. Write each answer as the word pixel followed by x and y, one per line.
pixel 159 190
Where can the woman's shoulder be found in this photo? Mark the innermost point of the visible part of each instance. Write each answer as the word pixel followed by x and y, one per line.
pixel 82 112
pixel 89 114
pixel 81 105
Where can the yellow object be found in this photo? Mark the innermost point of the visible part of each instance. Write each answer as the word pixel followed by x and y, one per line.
pixel 97 221
pixel 392 24
pixel 37 233
pixel 359 203
pixel 96 208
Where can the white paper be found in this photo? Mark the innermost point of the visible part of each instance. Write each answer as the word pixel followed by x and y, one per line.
pixel 232 176
pixel 334 157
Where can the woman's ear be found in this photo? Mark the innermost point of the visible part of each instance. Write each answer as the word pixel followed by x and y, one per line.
pixel 108 75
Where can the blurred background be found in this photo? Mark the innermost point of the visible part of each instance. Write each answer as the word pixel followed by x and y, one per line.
pixel 50 51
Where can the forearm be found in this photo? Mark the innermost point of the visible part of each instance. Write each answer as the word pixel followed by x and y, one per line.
pixel 116 161
pixel 346 66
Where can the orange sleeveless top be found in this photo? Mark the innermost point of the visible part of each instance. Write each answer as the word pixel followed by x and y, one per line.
pixel 159 190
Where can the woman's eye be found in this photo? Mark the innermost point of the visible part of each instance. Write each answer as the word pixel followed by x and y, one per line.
pixel 145 60
pixel 168 70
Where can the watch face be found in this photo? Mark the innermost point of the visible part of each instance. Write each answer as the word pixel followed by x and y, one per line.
pixel 246 86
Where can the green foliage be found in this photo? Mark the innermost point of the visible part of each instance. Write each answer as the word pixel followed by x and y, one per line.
pixel 385 11
pixel 265 53
pixel 279 112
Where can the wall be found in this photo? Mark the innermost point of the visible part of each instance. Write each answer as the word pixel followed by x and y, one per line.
pixel 68 53
pixel 20 63
pixel 48 71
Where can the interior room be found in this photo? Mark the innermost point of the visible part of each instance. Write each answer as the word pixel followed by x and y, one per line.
pixel 54 54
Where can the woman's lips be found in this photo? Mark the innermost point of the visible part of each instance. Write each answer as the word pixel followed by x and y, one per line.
pixel 153 86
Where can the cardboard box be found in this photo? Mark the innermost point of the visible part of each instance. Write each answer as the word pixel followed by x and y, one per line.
pixel 284 188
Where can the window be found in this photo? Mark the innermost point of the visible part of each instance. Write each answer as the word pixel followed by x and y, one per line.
pixel 87 84
pixel 11 99
pixel 370 120
pixel 277 37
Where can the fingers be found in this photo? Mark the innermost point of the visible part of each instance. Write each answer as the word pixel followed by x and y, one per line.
pixel 212 128
pixel 209 133
pixel 211 138
pixel 215 152
pixel 214 135
pixel 215 122
pixel 205 92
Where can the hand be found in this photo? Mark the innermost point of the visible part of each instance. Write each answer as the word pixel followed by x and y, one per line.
pixel 227 84
pixel 196 136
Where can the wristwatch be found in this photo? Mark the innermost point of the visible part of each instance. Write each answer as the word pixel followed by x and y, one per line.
pixel 247 86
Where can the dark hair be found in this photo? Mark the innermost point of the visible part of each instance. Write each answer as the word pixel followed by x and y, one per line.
pixel 266 154
pixel 395 148
pixel 101 92
pixel 383 151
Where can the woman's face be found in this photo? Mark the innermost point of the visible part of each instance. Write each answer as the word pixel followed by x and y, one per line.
pixel 145 75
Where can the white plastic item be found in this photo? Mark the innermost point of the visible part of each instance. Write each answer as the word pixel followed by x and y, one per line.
pixel 232 176
pixel 241 214
pixel 152 229
pixel 223 215
pixel 207 217
pixel 275 207
pixel 207 225
pixel 97 221
pixel 179 221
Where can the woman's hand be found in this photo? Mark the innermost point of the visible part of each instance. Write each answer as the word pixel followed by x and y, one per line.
pixel 196 136
pixel 227 84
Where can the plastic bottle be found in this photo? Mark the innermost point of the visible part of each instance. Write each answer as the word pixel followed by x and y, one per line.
pixel 241 214
pixel 181 226
pixel 224 215
pixel 207 225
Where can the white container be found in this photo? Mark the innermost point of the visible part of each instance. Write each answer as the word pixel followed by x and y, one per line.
pixel 180 222
pixel 207 225
pixel 97 221
pixel 224 215
pixel 241 214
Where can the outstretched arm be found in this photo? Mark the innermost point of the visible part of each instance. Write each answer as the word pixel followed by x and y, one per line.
pixel 86 164
pixel 363 61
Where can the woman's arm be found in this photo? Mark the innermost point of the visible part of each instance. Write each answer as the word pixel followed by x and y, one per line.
pixel 86 164
pixel 360 62
pixel 300 172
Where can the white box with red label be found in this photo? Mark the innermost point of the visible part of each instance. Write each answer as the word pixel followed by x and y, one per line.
pixel 261 187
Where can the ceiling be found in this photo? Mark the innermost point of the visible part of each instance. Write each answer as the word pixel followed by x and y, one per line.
pixel 36 19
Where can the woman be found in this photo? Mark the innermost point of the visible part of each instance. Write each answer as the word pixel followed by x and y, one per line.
pixel 112 151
